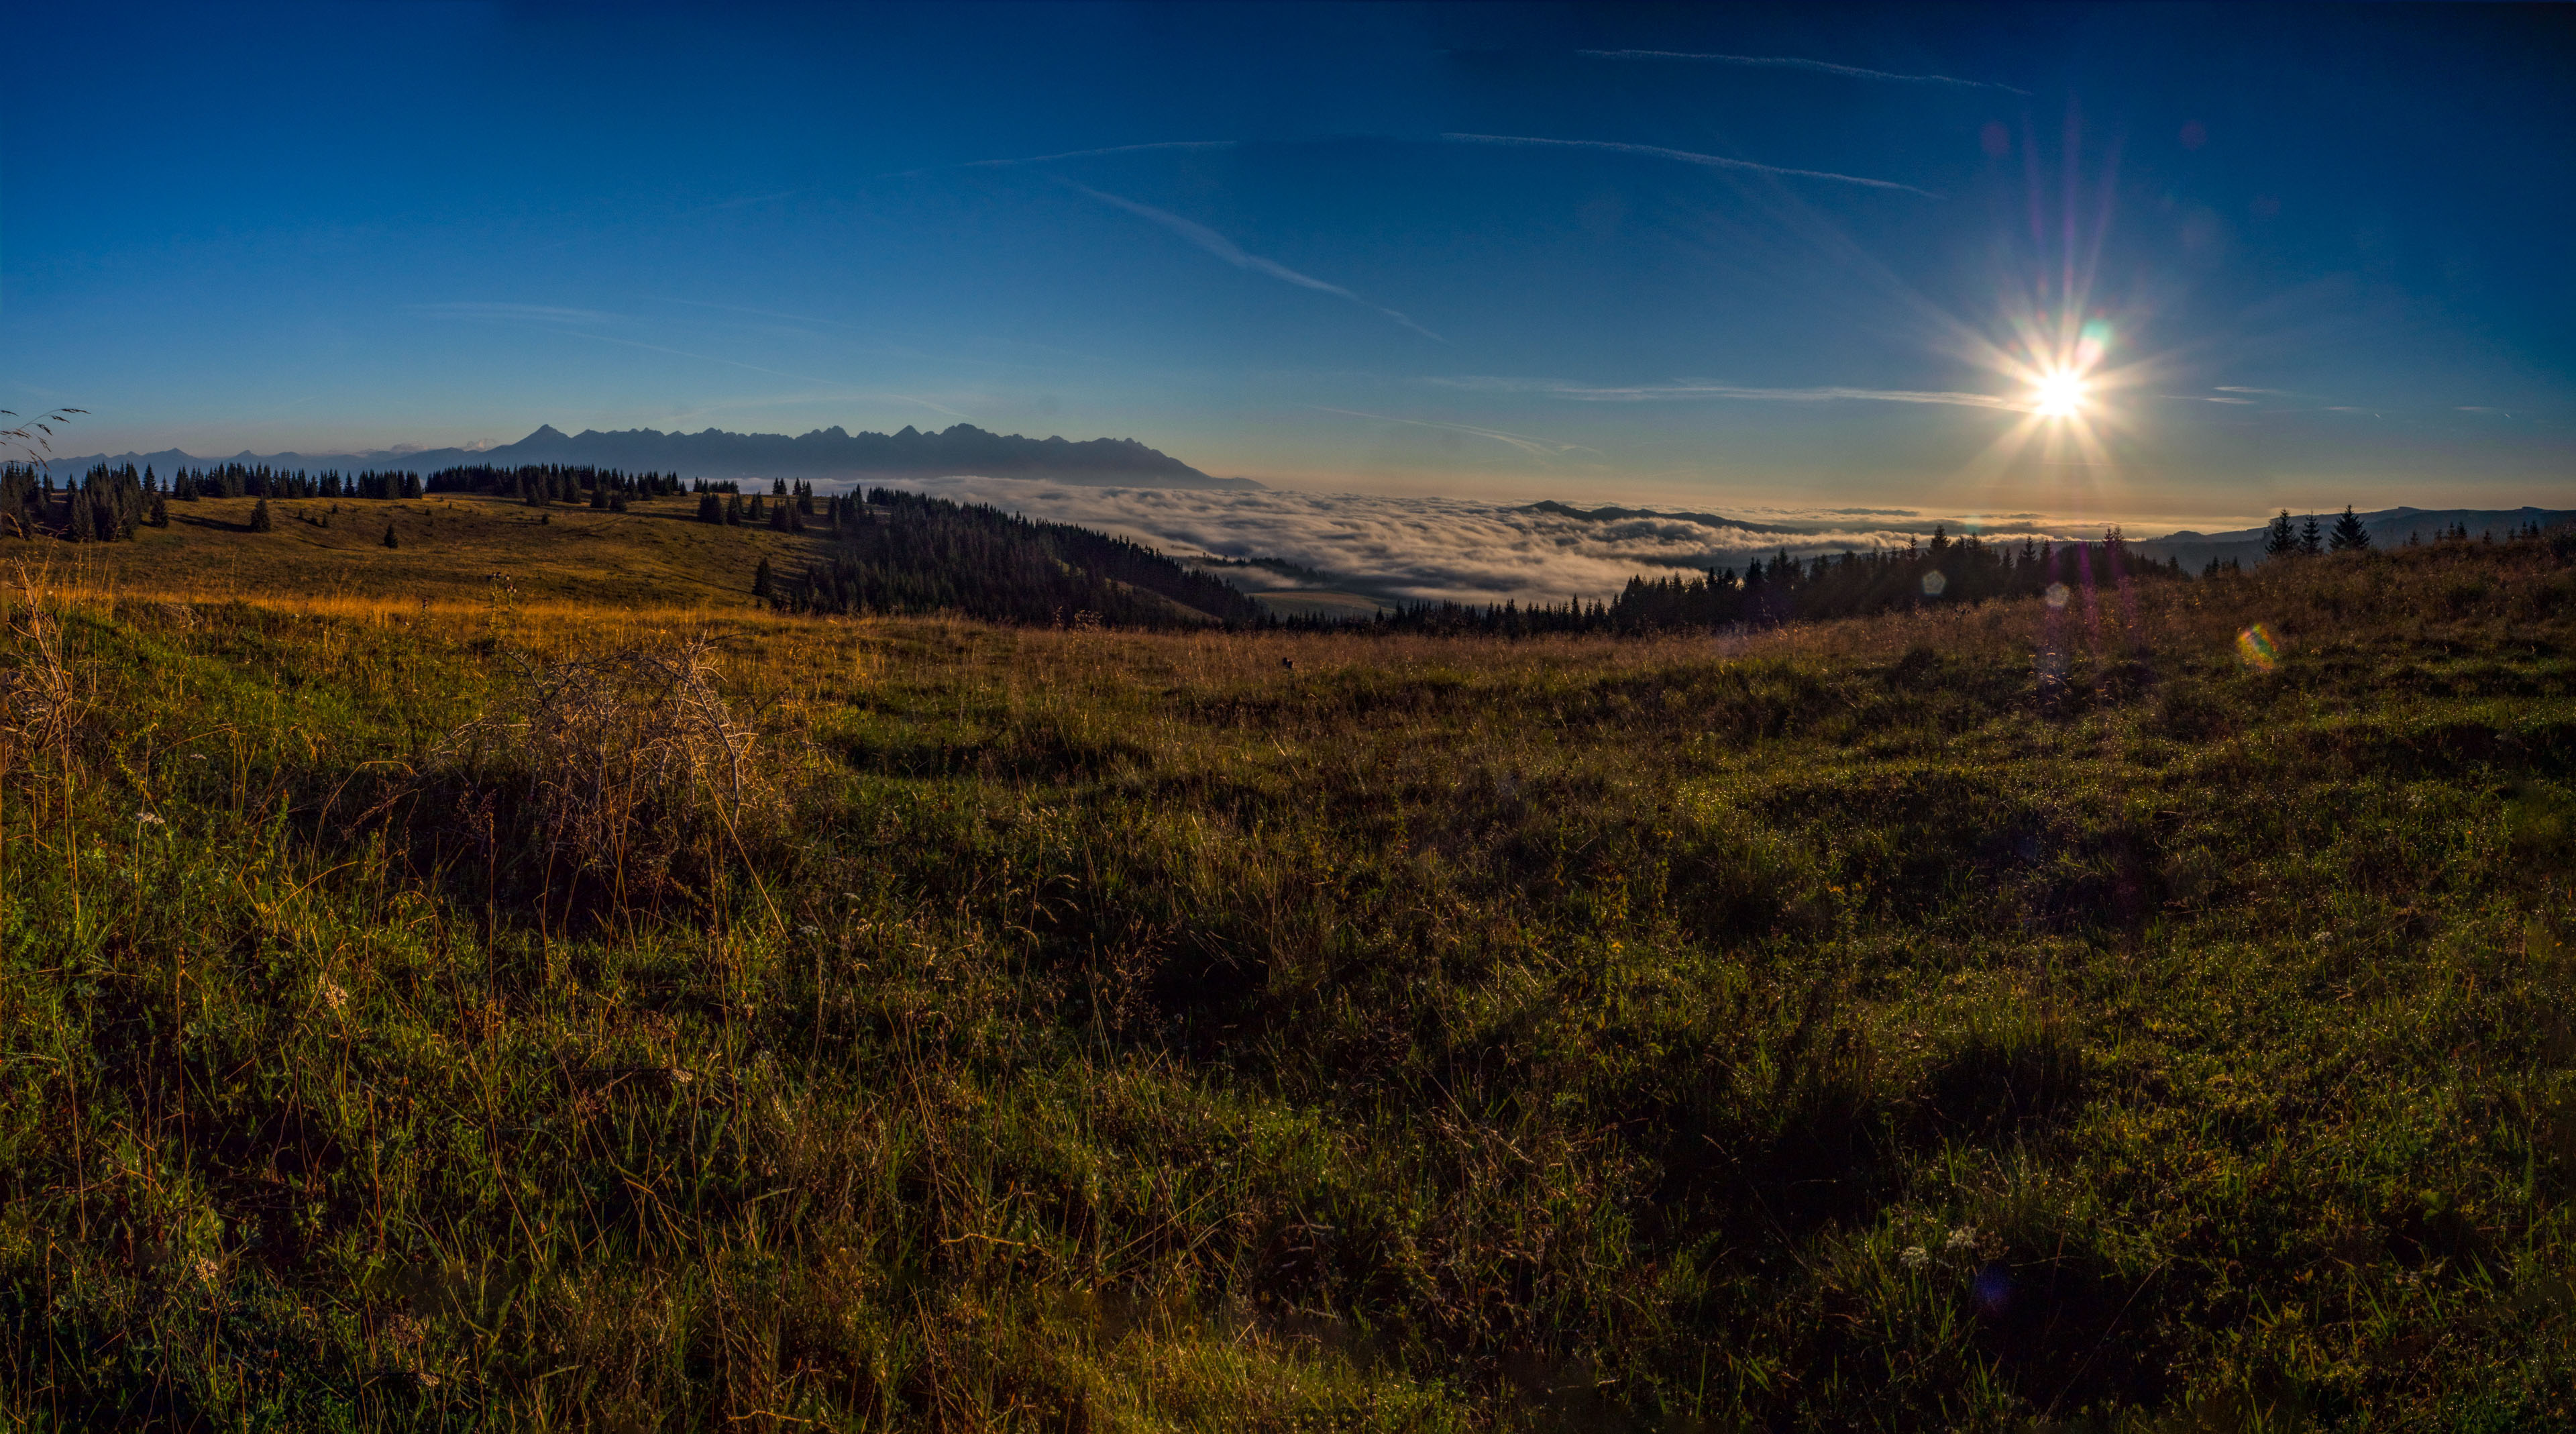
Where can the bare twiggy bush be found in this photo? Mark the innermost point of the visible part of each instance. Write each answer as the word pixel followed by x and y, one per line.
pixel 634 764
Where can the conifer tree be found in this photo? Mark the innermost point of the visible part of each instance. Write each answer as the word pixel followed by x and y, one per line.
pixel 2349 535
pixel 84 525
pixel 2280 538
pixel 259 520
pixel 2311 537
pixel 390 540
pixel 760 581
pixel 160 510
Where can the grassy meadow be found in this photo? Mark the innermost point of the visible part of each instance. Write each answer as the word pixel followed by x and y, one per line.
pixel 588 1000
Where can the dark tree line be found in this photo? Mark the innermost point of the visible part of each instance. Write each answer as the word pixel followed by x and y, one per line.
pixel 245 480
pixel 1790 589
pixel 795 502
pixel 542 484
pixel 905 553
pixel 106 505
pixel 2281 539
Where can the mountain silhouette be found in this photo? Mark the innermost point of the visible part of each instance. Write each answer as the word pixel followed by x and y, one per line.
pixel 962 450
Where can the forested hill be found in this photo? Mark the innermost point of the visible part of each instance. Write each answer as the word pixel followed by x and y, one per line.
pixel 905 553
pixel 825 453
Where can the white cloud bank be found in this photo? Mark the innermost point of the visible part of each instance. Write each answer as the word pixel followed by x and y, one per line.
pixel 1424 549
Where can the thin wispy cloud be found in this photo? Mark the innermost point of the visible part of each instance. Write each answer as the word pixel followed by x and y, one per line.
pixel 2207 398
pixel 1167 144
pixel 1782 62
pixel 1684 156
pixel 1233 253
pixel 1684 392
pixel 761 313
pixel 1541 449
pixel 518 313
pixel 2267 392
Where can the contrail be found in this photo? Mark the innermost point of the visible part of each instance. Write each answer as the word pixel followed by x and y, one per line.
pixel 1710 161
pixel 1772 62
pixel 1538 448
pixel 1655 393
pixel 1232 253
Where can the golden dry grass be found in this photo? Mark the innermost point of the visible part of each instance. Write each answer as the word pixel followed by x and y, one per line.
pixel 655 554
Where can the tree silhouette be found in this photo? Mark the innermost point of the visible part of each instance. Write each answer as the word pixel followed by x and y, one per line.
pixel 2311 537
pixel 259 519
pixel 2280 538
pixel 2349 535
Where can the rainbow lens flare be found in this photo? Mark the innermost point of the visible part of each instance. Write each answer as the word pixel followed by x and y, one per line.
pixel 2256 646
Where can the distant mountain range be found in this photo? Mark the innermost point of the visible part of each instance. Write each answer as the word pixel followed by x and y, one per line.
pixel 2388 528
pixel 826 453
pixel 1611 515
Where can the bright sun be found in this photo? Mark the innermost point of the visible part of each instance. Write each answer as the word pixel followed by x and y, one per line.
pixel 2059 394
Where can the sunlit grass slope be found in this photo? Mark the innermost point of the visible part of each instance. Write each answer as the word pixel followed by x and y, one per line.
pixel 449 1017
pixel 450 546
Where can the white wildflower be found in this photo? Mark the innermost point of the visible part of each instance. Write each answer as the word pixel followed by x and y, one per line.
pixel 207 1270
pixel 333 996
pixel 680 1076
pixel 1963 1238
pixel 148 817
pixel 1914 1257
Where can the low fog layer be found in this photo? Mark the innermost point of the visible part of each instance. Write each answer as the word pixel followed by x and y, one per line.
pixel 1426 549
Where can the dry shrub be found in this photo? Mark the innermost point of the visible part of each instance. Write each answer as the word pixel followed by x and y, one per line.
pixel 632 768
pixel 42 698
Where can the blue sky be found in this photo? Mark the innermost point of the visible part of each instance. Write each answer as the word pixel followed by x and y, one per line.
pixel 1743 258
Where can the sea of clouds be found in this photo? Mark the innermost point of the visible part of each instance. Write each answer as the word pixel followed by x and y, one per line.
pixel 1419 549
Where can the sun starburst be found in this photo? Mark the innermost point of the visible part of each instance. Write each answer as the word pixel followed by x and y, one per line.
pixel 2059 393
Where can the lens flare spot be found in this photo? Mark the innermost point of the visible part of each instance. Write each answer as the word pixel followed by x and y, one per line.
pixel 2092 343
pixel 1934 583
pixel 2057 594
pixel 2256 646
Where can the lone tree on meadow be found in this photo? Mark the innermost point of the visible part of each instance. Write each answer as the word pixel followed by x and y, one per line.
pixel 2349 536
pixel 259 520
pixel 390 540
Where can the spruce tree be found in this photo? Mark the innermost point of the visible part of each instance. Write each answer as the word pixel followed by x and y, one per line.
pixel 760 578
pixel 2280 538
pixel 259 520
pixel 2349 535
pixel 84 524
pixel 160 511
pixel 390 540
pixel 2311 537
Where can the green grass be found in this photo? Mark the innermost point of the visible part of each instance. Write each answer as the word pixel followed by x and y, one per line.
pixel 1848 1028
